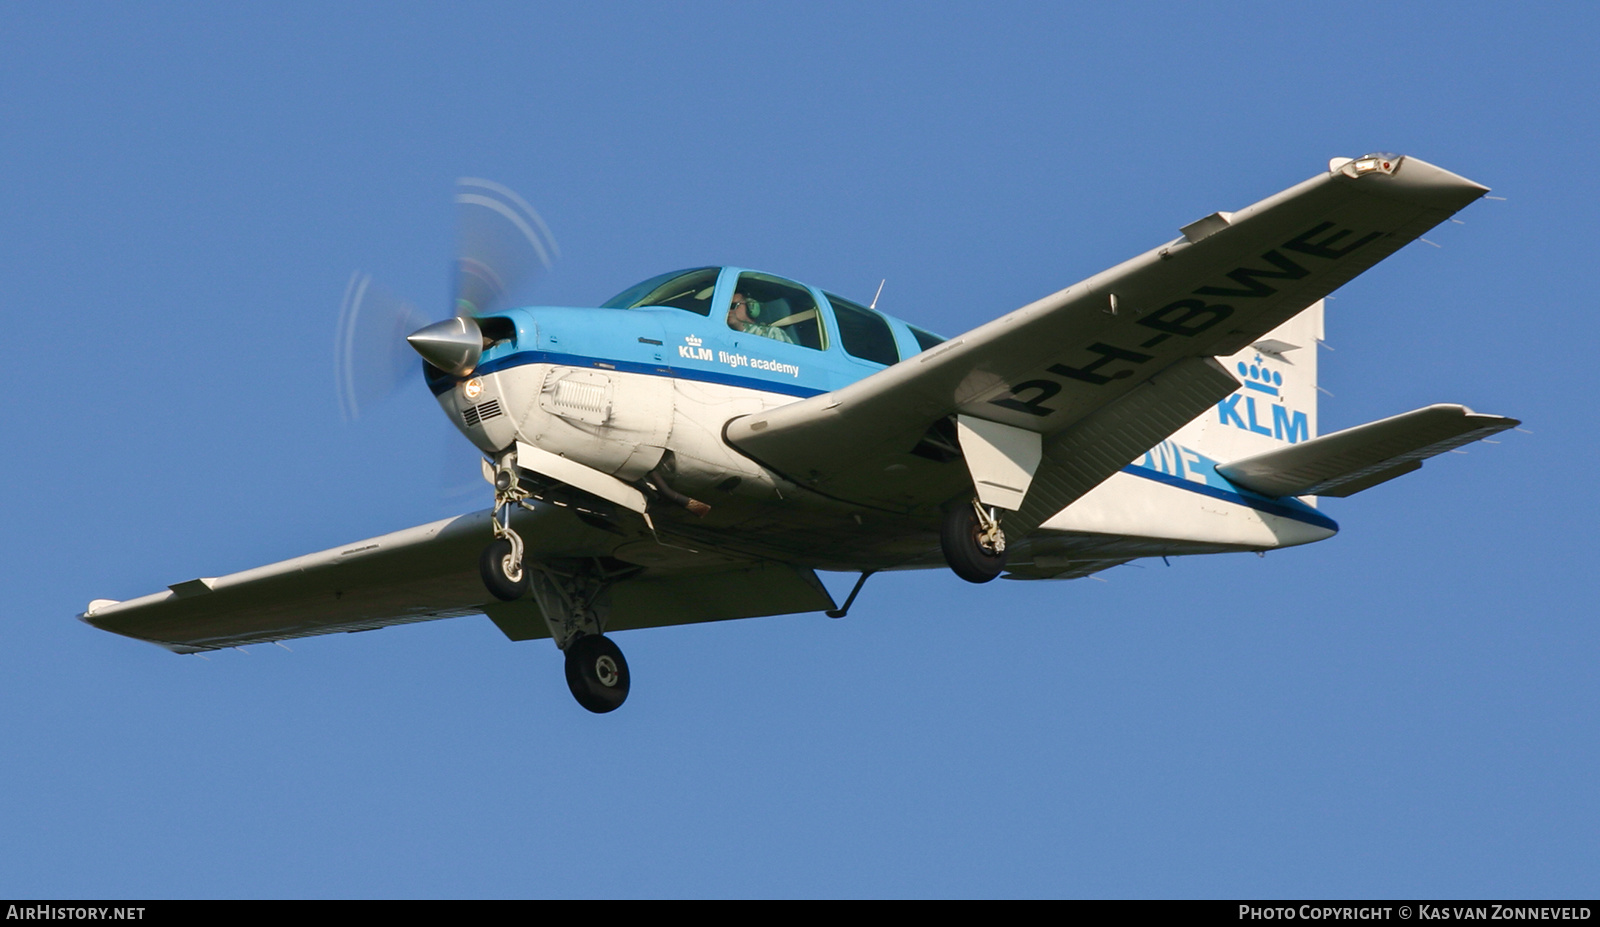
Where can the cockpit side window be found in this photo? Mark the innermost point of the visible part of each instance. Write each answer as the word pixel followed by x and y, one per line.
pixel 864 333
pixel 681 289
pixel 776 308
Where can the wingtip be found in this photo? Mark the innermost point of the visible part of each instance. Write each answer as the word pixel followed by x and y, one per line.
pixel 88 615
pixel 1417 180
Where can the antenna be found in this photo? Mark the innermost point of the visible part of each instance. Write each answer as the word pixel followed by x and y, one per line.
pixel 878 294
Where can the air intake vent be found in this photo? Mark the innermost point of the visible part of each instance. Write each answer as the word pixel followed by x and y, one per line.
pixel 583 397
pixel 476 414
pixel 578 395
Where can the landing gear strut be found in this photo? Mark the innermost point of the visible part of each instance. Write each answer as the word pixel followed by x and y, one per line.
pixel 573 599
pixel 973 544
pixel 571 595
pixel 501 562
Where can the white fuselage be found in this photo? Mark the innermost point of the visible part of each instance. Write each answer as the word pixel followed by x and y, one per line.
pixel 622 424
pixel 627 424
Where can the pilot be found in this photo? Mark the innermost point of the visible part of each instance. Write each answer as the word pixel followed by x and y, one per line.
pixel 741 318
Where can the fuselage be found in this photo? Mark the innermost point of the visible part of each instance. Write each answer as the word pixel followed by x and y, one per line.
pixel 645 384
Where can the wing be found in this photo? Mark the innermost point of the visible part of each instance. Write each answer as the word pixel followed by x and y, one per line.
pixel 431 571
pixel 1106 368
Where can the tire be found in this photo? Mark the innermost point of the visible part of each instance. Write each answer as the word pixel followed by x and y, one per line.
pixel 597 674
pixel 958 538
pixel 492 566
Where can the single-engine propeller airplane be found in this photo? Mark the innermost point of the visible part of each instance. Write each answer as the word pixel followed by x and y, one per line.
pixel 698 446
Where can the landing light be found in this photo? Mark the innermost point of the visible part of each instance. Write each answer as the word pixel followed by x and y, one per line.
pixel 1377 162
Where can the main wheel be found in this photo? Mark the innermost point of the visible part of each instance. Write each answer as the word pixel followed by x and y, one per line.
pixel 596 673
pixel 961 539
pixel 496 567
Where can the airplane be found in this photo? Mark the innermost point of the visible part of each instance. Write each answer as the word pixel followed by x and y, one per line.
pixel 699 446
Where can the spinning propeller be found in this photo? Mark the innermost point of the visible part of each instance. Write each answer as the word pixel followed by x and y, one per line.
pixel 503 245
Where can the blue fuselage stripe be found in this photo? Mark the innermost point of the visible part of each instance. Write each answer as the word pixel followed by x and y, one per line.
pixel 522 358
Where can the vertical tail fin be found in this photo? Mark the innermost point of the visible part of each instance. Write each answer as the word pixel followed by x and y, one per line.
pixel 1276 405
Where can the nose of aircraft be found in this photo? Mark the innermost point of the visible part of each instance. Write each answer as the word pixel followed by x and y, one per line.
pixel 454 345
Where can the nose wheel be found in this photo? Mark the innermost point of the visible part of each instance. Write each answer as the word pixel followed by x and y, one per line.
pixel 973 544
pixel 502 571
pixel 596 673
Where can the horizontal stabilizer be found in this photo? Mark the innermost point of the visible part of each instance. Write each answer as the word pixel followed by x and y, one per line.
pixel 1346 462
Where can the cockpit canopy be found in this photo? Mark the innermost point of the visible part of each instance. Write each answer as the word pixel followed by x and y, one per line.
pixel 772 307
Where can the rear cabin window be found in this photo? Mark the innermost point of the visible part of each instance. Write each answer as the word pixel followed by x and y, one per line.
pixel 863 332
pixel 925 340
pixel 682 289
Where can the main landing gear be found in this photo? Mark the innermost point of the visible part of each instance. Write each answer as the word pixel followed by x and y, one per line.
pixel 973 544
pixel 596 673
pixel 572 599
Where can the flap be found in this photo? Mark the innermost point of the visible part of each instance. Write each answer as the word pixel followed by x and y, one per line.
pixel 658 598
pixel 1085 455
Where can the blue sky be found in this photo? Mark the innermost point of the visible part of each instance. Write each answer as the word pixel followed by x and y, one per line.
pixel 1405 710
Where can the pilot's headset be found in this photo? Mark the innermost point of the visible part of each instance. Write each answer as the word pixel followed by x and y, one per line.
pixel 752 308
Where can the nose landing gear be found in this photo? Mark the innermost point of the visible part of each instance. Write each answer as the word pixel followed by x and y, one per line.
pixel 501 568
pixel 500 564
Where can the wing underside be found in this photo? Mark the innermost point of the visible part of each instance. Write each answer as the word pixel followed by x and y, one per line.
pixel 431 572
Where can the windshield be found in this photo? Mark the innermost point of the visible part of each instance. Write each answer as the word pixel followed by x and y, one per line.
pixel 681 289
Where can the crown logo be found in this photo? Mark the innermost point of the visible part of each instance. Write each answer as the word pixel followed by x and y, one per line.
pixel 693 340
pixel 1259 378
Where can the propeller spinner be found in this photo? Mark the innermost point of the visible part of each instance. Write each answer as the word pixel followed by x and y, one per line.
pixel 503 244
pixel 453 345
